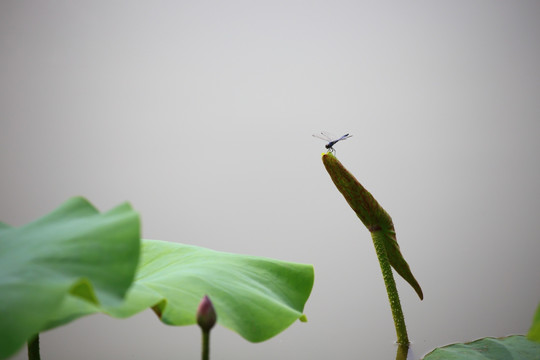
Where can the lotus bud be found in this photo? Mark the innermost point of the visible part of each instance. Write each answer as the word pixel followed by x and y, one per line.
pixel 206 314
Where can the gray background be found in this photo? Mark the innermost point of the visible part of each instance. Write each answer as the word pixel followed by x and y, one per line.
pixel 200 113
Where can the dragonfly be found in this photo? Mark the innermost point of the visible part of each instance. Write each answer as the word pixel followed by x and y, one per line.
pixel 332 139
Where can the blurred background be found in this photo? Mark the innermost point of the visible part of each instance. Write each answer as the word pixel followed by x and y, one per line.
pixel 200 114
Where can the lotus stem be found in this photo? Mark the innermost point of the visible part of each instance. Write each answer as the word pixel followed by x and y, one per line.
pixel 205 345
pixel 402 352
pixel 393 297
pixel 33 348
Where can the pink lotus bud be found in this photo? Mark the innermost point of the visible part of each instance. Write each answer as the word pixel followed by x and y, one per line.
pixel 206 314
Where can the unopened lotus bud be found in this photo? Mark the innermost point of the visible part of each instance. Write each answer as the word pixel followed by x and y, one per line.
pixel 206 314
pixel 374 217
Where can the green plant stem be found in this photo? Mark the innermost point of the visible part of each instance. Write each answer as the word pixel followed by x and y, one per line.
pixel 33 348
pixel 393 297
pixel 402 352
pixel 205 345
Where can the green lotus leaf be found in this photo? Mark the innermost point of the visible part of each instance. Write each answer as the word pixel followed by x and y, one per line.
pixel 511 347
pixel 534 331
pixel 253 296
pixel 73 252
pixel 4 227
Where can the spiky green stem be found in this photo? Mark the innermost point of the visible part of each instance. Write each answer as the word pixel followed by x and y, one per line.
pixel 33 348
pixel 393 297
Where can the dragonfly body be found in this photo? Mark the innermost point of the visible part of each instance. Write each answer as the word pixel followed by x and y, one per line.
pixel 332 140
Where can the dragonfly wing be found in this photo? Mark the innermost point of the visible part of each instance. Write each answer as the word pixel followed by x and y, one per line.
pixel 330 136
pixel 323 137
